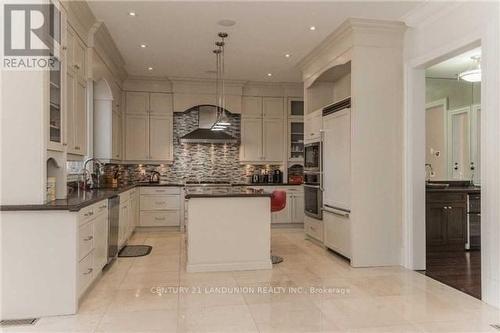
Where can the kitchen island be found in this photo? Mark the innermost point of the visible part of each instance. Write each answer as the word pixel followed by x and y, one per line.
pixel 228 229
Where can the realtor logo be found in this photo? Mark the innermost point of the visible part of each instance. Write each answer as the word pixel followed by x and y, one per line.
pixel 31 34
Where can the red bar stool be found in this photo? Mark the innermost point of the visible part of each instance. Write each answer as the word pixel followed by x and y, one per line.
pixel 278 202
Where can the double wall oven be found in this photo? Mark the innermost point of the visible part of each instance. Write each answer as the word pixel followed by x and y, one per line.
pixel 313 194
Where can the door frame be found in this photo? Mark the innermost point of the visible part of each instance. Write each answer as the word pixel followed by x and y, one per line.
pixel 413 253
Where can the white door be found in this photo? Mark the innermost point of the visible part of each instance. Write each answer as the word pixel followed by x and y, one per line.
pixel 337 160
pixel 137 102
pixel 251 139
pixel 251 107
pixel 459 144
pixel 160 136
pixel 80 119
pixel 272 107
pixel 137 137
pixel 160 104
pixel 70 112
pixel 100 242
pixel 298 208
pixel 273 144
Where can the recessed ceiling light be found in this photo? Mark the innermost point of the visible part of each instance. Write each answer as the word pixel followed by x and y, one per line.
pixel 131 14
pixel 150 68
pixel 312 28
pixel 226 23
pixel 287 55
pixel 269 74
pixel 143 46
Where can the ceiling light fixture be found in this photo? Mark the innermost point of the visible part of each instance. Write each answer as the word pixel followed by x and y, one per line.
pixel 473 74
pixel 287 55
pixel 312 28
pixel 269 74
pixel 226 23
pixel 143 46
pixel 222 118
pixel 131 14
pixel 150 68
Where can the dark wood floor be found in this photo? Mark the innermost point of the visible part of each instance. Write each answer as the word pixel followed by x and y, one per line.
pixel 458 269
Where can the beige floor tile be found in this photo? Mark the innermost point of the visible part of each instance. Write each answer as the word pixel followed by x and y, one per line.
pixel 139 321
pixel 351 313
pixel 150 264
pixel 299 316
pixel 457 327
pixel 149 280
pixel 142 300
pixel 209 297
pixel 217 319
pixel 96 301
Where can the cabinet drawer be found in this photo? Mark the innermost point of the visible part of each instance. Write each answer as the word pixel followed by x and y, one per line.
pixel 86 214
pixel 101 207
pixel 85 273
pixel 314 228
pixel 160 190
pixel 85 239
pixel 159 202
pixel 337 233
pixel 160 219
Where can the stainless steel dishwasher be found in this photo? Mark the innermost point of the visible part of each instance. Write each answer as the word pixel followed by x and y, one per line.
pixel 114 216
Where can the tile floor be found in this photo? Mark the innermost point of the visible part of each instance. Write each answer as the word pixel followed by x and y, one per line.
pixel 389 299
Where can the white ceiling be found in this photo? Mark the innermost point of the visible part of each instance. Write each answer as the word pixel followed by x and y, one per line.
pixel 450 68
pixel 180 35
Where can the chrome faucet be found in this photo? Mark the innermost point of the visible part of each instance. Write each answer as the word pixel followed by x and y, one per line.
pixel 431 171
pixel 85 170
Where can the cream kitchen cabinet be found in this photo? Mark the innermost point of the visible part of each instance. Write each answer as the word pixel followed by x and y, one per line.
pixel 116 139
pixel 160 206
pixel 272 107
pixel 273 140
pixel 251 107
pixel 76 94
pixel 298 208
pixel 148 127
pixel 337 232
pixel 251 139
pixel 313 123
pixel 123 219
pixel 145 102
pixel 262 130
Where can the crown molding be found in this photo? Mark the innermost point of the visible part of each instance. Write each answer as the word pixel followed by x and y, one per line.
pixel 80 17
pixel 428 12
pixel 104 45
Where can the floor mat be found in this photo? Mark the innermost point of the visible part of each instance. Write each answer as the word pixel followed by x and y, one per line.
pixel 135 251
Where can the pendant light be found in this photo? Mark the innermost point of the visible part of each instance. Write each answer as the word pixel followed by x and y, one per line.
pixel 222 118
pixel 474 74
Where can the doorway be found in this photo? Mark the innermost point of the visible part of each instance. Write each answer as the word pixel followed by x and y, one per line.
pixel 452 178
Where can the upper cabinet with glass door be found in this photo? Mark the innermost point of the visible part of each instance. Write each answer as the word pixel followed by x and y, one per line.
pixel 56 115
pixel 295 129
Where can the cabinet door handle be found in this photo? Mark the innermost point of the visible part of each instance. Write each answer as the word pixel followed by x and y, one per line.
pixel 77 147
pixel 159 218
pixel 88 238
pixel 88 214
pixel 160 202
pixel 90 270
pixel 103 206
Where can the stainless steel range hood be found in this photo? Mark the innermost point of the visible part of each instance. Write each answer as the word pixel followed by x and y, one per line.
pixel 207 116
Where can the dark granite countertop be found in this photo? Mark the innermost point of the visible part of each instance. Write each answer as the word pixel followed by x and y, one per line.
pixel 463 189
pixel 223 192
pixel 265 184
pixel 75 202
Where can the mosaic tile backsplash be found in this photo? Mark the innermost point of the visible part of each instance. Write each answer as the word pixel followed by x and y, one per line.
pixel 194 162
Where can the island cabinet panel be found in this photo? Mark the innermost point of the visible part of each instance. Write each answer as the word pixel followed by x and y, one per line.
pixel 446 221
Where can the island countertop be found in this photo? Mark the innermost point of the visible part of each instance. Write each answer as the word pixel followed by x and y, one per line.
pixel 223 192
